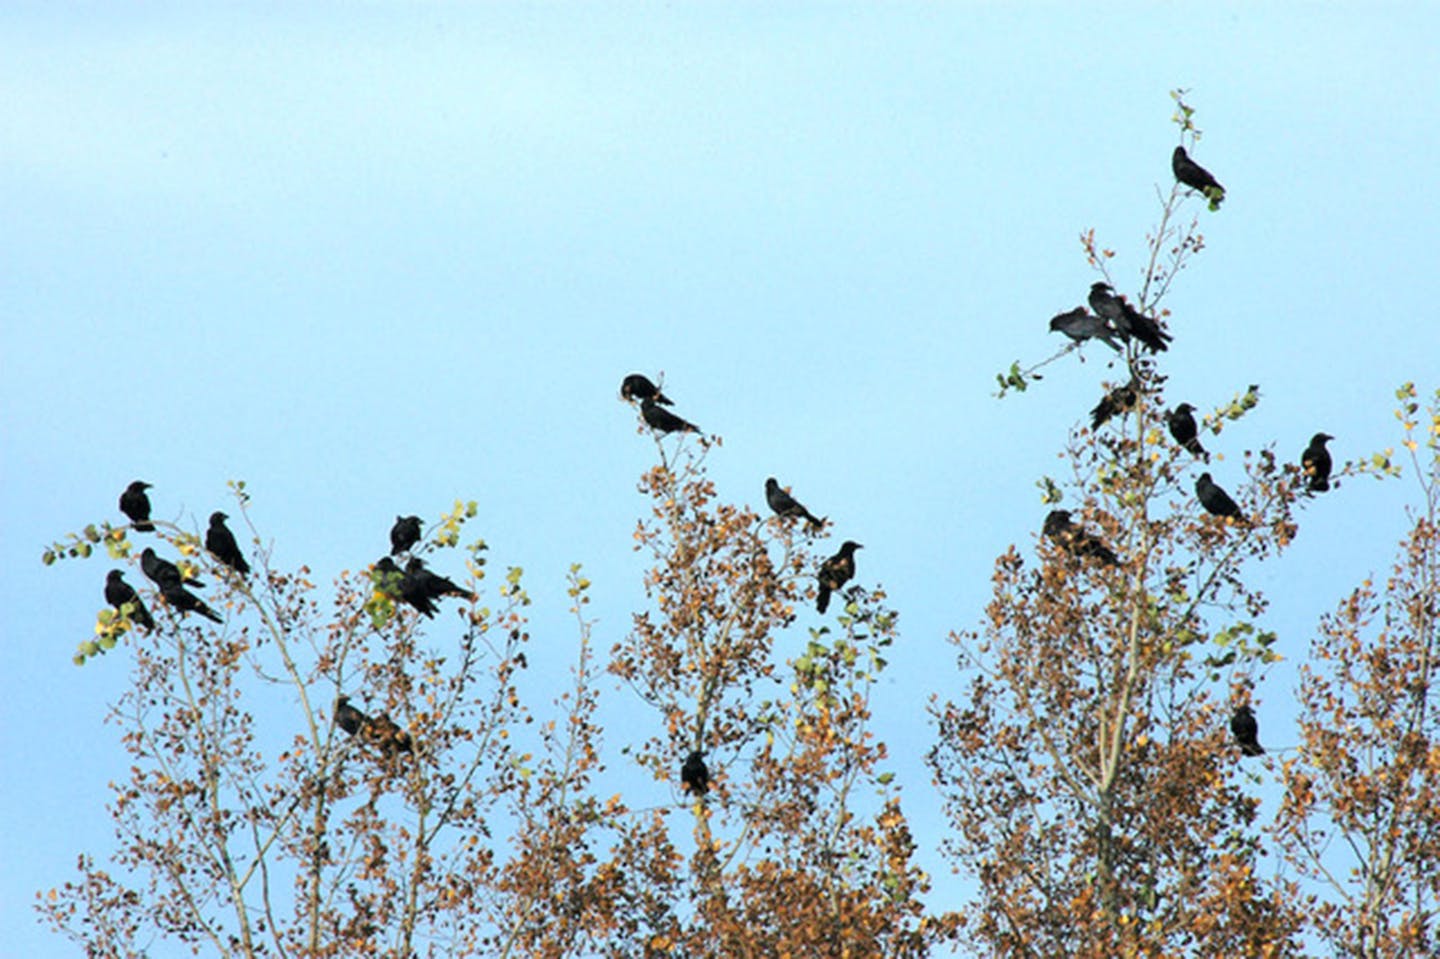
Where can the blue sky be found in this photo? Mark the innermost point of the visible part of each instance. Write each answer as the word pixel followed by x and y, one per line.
pixel 372 258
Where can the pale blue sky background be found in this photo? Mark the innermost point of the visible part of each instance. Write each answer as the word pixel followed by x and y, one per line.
pixel 374 257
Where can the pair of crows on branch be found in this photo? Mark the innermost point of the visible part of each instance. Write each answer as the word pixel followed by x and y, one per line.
pixel 174 588
pixel 834 572
pixel 415 585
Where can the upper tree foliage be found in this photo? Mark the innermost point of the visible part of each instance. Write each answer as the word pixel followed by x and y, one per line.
pixel 1086 768
pixel 1091 787
pixel 1361 814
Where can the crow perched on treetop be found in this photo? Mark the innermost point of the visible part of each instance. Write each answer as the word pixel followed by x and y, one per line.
pixel 1081 325
pixel 118 593
pixel 1182 427
pixel 637 386
pixel 835 572
pixel 1193 175
pixel 1216 501
pixel 162 572
pixel 221 543
pixel 136 505
pixel 786 505
pixel 347 717
pixel 1246 731
pixel 1121 399
pixel 695 775
pixel 1074 540
pixel 1315 463
pixel 663 420
pixel 404 534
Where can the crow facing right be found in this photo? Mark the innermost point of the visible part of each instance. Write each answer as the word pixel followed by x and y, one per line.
pixel 136 505
pixel 1315 463
pixel 221 544
pixel 1181 421
pixel 1246 731
pixel 835 572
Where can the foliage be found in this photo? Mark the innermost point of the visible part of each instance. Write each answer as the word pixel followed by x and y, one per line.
pixel 1361 814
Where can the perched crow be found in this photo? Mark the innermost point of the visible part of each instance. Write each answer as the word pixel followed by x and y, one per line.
pixel 835 572
pixel 637 386
pixel 1145 329
pixel 1110 308
pixel 1182 427
pixel 187 602
pixel 1216 501
pixel 433 584
pixel 1121 399
pixel 1081 325
pixel 1315 463
pixel 392 740
pixel 221 543
pixel 347 717
pixel 118 593
pixel 404 534
pixel 1074 540
pixel 786 505
pixel 694 775
pixel 1246 731
pixel 1193 175
pixel 664 420
pixel 389 577
pixel 1125 319
pixel 164 573
pixel 136 505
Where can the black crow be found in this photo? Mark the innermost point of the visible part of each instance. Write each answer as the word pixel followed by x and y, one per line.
pixel 118 593
pixel 695 775
pixel 221 543
pixel 1181 421
pixel 835 572
pixel 187 602
pixel 1121 399
pixel 404 534
pixel 1216 501
pixel 1193 175
pixel 1145 329
pixel 1246 731
pixel 664 420
pixel 1315 463
pixel 136 505
pixel 1081 325
pixel 637 386
pixel 1074 540
pixel 786 505
pixel 389 577
pixel 347 717
pixel 164 573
